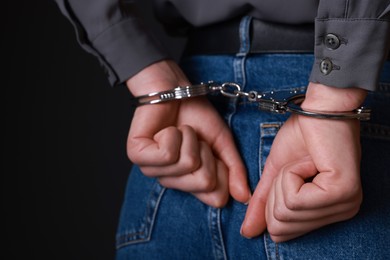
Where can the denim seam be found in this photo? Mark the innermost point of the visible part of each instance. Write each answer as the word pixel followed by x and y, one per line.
pixel 222 244
pixel 216 234
pixel 266 246
pixel 148 227
pixel 265 129
pixel 244 36
pixel 268 129
pixel 239 62
pixel 277 256
pixel 261 154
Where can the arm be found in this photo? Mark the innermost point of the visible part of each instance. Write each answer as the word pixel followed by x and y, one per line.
pixel 185 144
pixel 326 151
pixel 170 142
pixel 114 32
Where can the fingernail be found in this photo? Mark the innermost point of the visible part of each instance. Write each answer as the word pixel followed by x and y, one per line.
pixel 243 235
pixel 250 196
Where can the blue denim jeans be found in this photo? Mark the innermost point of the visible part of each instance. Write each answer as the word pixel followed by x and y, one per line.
pixel 160 223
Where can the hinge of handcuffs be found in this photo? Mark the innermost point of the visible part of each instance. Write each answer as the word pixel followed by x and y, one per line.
pixel 266 101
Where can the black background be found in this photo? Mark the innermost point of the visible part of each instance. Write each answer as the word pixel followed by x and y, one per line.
pixel 64 145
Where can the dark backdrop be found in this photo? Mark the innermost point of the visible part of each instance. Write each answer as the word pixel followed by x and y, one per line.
pixel 64 155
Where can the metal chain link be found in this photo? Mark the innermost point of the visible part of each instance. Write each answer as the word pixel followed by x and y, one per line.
pixel 265 101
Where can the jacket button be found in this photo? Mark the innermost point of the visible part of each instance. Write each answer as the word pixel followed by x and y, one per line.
pixel 326 66
pixel 332 42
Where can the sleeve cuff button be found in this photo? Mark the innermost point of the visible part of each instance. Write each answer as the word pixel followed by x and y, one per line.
pixel 332 42
pixel 326 66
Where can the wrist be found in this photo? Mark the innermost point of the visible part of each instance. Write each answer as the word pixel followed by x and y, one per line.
pixel 160 76
pixel 324 98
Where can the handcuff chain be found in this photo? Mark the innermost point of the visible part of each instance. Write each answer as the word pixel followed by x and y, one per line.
pixel 265 101
pixel 268 104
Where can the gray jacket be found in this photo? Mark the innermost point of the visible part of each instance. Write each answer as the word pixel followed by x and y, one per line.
pixel 352 37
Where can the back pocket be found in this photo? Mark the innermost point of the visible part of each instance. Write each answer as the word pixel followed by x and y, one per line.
pixel 142 198
pixel 268 131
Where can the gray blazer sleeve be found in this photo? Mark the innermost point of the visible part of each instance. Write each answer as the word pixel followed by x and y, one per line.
pixel 115 34
pixel 352 42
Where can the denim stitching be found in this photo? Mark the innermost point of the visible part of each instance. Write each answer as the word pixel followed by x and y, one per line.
pixel 244 36
pixel 268 130
pixel 277 255
pixel 216 234
pixel 221 235
pixel 261 145
pixel 145 233
pixel 266 246
pixel 239 62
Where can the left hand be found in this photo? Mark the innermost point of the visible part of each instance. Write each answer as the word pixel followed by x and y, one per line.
pixel 325 151
pixel 184 144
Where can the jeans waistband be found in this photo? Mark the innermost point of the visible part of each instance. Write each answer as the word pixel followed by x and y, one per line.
pixel 265 37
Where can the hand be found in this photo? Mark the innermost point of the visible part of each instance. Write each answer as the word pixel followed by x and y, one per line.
pixel 185 144
pixel 312 175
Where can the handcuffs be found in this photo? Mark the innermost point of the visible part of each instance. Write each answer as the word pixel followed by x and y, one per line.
pixel 266 101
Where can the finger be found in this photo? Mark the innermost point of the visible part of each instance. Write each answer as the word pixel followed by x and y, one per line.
pixel 213 130
pixel 322 192
pixel 203 179
pixel 282 208
pixel 284 224
pixel 254 222
pixel 323 136
pixel 220 195
pixel 159 150
pixel 282 152
pixel 189 157
pixel 152 139
pixel 225 149
pixel 282 231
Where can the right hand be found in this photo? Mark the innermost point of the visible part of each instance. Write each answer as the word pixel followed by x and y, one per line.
pixel 312 175
pixel 185 144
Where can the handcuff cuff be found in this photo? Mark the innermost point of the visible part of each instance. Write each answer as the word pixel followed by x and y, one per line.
pixel 267 101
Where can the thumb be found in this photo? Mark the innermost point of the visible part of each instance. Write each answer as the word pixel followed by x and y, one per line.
pixel 255 222
pixel 226 151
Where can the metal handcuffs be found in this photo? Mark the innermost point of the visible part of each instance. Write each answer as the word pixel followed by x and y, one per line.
pixel 266 101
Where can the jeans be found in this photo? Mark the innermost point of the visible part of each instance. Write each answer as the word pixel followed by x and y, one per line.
pixel 160 223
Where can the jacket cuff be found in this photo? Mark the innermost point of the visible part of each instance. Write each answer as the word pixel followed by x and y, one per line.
pixel 124 49
pixel 350 52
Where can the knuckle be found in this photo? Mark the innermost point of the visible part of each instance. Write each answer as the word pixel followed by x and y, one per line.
pixel 354 211
pixel 274 228
pixel 207 183
pixel 348 192
pixel 219 201
pixel 169 156
pixel 130 153
pixel 354 193
pixel 191 162
pixel 281 213
pixel 292 203
pixel 354 208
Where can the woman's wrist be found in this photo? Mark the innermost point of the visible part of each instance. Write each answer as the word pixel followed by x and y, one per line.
pixel 324 98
